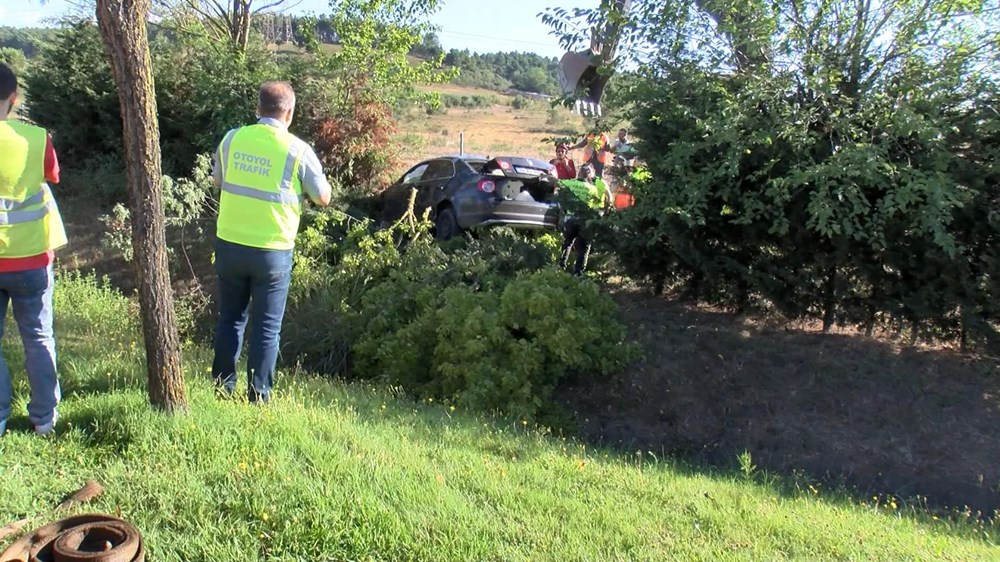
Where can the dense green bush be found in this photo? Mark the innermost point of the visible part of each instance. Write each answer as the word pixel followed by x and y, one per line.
pixel 100 178
pixel 202 91
pixel 73 95
pixel 504 348
pixel 486 323
pixel 826 160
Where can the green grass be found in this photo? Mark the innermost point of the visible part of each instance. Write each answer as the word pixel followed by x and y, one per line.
pixel 347 472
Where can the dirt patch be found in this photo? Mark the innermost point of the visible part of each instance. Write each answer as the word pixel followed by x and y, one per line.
pixel 874 415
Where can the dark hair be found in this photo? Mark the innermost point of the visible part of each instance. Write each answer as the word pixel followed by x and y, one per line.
pixel 8 81
pixel 275 98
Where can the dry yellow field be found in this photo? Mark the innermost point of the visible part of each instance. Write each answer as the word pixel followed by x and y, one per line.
pixel 490 131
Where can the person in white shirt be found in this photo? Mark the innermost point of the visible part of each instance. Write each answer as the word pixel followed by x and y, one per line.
pixel 622 147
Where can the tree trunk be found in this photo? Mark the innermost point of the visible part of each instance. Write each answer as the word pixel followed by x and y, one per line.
pixel 123 28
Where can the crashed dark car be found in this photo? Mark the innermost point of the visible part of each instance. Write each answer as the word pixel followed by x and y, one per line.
pixel 465 192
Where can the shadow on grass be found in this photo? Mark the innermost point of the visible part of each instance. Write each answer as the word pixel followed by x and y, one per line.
pixel 842 410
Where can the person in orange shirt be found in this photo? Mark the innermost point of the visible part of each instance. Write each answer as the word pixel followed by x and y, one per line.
pixel 30 230
pixel 596 151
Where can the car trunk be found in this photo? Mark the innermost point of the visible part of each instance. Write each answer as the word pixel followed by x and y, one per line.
pixel 521 179
pixel 524 190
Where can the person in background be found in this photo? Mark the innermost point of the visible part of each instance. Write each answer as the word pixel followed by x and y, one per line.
pixel 596 151
pixel 617 172
pixel 30 230
pixel 623 147
pixel 582 200
pixel 265 174
pixel 565 168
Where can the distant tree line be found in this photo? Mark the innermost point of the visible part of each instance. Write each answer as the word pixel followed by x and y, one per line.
pixel 28 40
pixel 528 72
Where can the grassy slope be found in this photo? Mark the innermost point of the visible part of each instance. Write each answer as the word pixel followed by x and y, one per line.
pixel 335 472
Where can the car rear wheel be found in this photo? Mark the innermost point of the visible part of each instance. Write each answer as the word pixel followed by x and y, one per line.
pixel 446 224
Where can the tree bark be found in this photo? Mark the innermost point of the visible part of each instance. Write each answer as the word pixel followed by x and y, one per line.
pixel 123 28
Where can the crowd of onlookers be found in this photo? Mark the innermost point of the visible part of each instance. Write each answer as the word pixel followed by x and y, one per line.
pixel 585 191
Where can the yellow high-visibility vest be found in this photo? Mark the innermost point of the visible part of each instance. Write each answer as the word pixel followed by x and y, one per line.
pixel 30 223
pixel 261 201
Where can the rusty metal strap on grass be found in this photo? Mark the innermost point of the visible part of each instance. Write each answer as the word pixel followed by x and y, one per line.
pixel 82 538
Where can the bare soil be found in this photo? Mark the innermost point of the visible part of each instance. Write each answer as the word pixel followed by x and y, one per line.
pixel 86 252
pixel 866 413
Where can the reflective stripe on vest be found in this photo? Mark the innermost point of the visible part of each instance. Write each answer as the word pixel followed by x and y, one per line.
pixel 30 223
pixel 260 208
pixel 21 217
pixel 14 204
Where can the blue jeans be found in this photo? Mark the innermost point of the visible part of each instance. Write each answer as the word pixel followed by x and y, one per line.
pixel 246 274
pixel 30 293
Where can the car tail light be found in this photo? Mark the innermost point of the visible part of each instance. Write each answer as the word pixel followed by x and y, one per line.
pixel 487 186
pixel 504 164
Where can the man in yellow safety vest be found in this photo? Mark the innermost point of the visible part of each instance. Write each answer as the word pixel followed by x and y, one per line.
pixel 30 230
pixel 265 174
pixel 582 200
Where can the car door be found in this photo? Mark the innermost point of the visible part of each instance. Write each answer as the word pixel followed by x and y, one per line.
pixel 397 196
pixel 434 183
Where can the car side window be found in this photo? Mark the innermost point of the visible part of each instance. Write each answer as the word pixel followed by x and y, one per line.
pixel 474 165
pixel 440 169
pixel 414 175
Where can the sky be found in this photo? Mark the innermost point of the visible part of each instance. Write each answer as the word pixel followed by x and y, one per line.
pixel 476 25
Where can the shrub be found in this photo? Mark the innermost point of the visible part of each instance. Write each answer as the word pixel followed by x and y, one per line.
pixel 521 102
pixel 436 109
pixel 100 178
pixel 504 348
pixel 486 323
pixel 188 203
pixel 355 146
pixel 100 312
pixel 474 101
pixel 73 95
pixel 202 91
pixel 820 179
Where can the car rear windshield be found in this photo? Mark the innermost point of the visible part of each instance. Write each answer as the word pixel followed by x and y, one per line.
pixel 475 165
